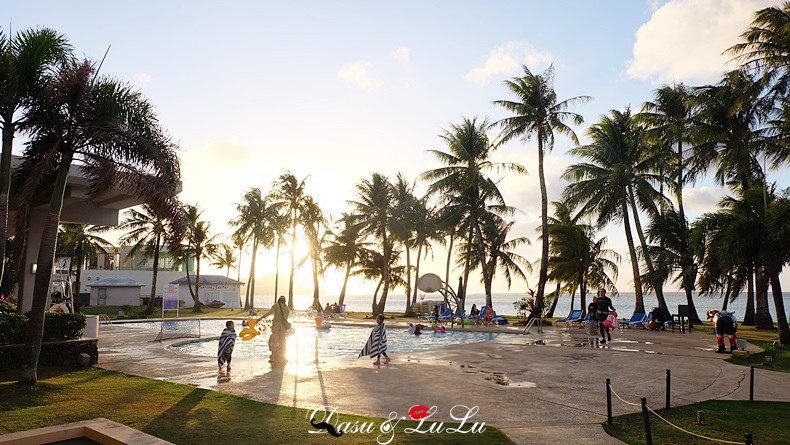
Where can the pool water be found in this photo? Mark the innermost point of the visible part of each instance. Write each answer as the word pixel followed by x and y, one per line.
pixel 306 341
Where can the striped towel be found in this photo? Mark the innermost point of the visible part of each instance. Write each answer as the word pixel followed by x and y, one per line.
pixel 226 342
pixel 377 342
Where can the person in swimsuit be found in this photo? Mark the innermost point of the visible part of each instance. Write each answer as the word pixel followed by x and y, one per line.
pixel 279 326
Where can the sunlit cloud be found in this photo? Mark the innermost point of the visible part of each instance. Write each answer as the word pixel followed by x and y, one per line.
pixel 684 39
pixel 141 79
pixel 402 55
pixel 506 60
pixel 359 74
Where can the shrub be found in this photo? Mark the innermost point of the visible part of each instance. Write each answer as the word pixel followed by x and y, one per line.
pixel 56 327
pixel 6 307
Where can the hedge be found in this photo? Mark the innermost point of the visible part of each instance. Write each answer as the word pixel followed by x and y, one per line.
pixel 56 327
pixel 58 353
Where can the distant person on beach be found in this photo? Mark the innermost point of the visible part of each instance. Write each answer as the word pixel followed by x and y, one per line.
pixel 227 340
pixel 377 342
pixel 604 306
pixel 435 313
pixel 280 325
pixel 475 313
pixel 328 309
pixel 335 308
pixel 592 311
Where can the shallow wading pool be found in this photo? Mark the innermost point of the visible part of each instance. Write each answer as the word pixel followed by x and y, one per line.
pixel 304 340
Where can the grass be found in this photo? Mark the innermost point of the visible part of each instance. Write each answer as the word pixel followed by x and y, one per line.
pixel 724 419
pixel 780 355
pixel 180 413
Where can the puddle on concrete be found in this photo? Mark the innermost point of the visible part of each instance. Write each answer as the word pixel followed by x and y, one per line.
pixel 523 385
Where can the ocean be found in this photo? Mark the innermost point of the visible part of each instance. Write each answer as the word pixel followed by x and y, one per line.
pixel 503 303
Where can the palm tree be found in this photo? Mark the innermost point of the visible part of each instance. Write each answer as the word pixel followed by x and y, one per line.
pixel 114 133
pixel 604 185
pixel 373 267
pixel 404 226
pixel 344 250
pixel 80 242
pixel 315 228
pixel 577 258
pixel 225 258
pixel 253 222
pixel 290 192
pixel 145 233
pixel 730 136
pixel 538 114
pixel 27 60
pixel 279 224
pixel 426 230
pixel 466 190
pixel 766 45
pixel 372 216
pixel 199 244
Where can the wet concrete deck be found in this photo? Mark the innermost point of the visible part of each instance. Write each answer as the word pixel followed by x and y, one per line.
pixel 536 393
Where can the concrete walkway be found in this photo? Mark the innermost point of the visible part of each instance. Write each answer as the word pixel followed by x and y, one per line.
pixel 529 386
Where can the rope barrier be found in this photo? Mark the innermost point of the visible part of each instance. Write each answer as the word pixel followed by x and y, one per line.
pixel 672 424
pixel 689 432
pixel 622 400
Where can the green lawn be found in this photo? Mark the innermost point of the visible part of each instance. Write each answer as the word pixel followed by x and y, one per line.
pixel 180 413
pixel 724 419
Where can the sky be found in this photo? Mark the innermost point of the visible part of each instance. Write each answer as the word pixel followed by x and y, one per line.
pixel 334 91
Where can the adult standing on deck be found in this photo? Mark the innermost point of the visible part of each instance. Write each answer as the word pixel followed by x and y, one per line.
pixel 604 306
pixel 280 325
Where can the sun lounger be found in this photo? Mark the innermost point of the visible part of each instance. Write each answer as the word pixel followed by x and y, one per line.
pixel 575 315
pixel 581 322
pixel 644 322
pixel 638 317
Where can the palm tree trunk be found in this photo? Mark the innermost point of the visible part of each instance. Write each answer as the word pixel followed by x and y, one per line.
pixel 544 225
pixel 150 309
pixel 386 281
pixel 277 268
pixel 449 258
pixel 75 294
pixel 680 184
pixel 252 272
pixel 639 305
pixel 748 317
pixel 727 294
pixel 781 317
pixel 487 277
pixel 375 305
pixel 692 307
pixel 410 309
pixel 316 302
pixel 5 184
pixel 468 262
pixel 583 295
pixel 658 286
pixel 762 316
pixel 238 277
pixel 554 303
pixel 46 258
pixel 293 263
pixel 408 279
pixel 573 294
pixel 247 301
pixel 196 296
pixel 342 297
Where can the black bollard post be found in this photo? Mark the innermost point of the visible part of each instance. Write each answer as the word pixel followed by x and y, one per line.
pixel 751 383
pixel 668 385
pixel 648 435
pixel 748 439
pixel 609 401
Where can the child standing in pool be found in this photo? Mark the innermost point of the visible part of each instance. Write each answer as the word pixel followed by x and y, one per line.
pixel 377 343
pixel 227 341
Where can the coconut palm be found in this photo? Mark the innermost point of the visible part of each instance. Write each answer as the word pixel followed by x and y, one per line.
pixel 255 213
pixel 113 132
pixel 279 225
pixel 315 227
pixel 27 61
pixel 344 250
pixel 373 216
pixel 427 230
pixel 616 174
pixel 290 193
pixel 766 44
pixel 145 232
pixel 538 114
pixel 200 243
pixel 80 242
pixel 404 226
pixel 372 267
pixel 464 184
pixel 225 258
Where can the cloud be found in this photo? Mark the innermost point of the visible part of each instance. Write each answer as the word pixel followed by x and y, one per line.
pixel 684 39
pixel 506 60
pixel 402 55
pixel 141 79
pixel 359 74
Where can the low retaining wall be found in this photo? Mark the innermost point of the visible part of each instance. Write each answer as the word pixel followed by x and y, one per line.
pixel 53 353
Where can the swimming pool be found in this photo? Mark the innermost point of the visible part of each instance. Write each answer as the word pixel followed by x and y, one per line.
pixel 304 340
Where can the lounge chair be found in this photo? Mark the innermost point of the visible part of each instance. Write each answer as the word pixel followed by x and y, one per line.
pixel 638 317
pixel 644 322
pixel 575 315
pixel 581 322
pixel 342 312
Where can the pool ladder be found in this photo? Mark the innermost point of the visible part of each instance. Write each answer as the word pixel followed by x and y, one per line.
pixel 537 321
pixel 104 319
